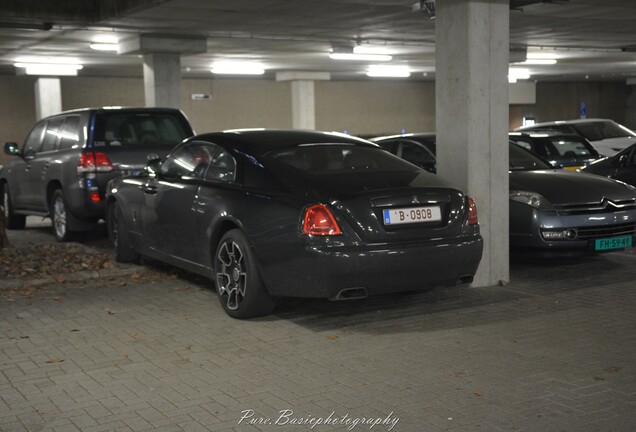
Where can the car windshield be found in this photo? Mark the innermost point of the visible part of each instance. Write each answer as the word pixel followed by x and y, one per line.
pixel 327 159
pixel 124 129
pixel 523 160
pixel 596 131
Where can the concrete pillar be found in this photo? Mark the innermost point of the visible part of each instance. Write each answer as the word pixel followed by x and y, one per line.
pixel 630 104
pixel 162 64
pixel 48 97
pixel 303 96
pixel 303 104
pixel 471 43
pixel 162 80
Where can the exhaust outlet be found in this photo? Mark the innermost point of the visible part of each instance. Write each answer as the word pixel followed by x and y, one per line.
pixel 466 279
pixel 351 294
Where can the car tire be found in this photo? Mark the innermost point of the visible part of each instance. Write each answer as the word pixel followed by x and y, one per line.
pixel 60 217
pixel 238 283
pixel 119 235
pixel 14 221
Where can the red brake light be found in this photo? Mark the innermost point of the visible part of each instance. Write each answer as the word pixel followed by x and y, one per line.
pixel 95 196
pixel 94 162
pixel 318 220
pixel 473 219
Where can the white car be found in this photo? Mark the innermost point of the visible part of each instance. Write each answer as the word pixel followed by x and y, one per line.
pixel 607 136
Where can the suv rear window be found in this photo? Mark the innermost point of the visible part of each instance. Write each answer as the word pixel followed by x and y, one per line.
pixel 123 129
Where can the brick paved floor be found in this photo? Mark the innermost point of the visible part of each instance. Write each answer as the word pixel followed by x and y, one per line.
pixel 553 351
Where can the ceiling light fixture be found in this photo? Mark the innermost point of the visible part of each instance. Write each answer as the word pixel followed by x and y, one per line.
pixel 515 74
pixel 382 71
pixel 537 61
pixel 104 46
pixel 55 66
pixel 359 53
pixel 237 68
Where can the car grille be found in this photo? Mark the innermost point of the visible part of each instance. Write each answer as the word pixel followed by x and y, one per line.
pixel 585 233
pixel 604 206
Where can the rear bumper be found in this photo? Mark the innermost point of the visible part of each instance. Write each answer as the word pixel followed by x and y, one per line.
pixel 324 271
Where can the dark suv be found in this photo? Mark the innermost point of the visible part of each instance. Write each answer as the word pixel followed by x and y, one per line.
pixel 67 159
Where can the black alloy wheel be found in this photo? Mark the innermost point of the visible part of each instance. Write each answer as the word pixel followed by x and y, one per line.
pixel 239 285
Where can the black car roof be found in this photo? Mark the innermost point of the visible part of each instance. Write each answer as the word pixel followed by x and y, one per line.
pixel 261 141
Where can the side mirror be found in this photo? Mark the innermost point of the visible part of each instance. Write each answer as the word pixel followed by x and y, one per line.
pixel 153 166
pixel 623 161
pixel 11 148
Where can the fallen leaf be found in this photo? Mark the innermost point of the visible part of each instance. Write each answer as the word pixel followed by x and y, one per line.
pixel 58 298
pixel 54 360
pixel 110 312
pixel 75 330
pixel 332 337
pixel 599 379
pixel 133 335
pixel 28 293
pixel 612 369
pixel 478 394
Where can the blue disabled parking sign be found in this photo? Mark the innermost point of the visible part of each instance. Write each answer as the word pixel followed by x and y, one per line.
pixel 583 110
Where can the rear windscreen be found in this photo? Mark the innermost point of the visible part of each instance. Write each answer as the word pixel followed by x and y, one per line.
pixel 569 147
pixel 120 129
pixel 319 159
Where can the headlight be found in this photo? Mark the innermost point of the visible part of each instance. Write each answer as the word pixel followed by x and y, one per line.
pixel 532 199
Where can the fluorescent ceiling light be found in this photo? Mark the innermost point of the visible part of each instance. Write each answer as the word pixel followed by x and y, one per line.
pixel 104 46
pixel 388 71
pixel 238 68
pixel 531 61
pixel 54 69
pixel 360 53
pixel 545 55
pixel 515 74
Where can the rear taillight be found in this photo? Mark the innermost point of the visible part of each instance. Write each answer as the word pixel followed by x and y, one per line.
pixel 473 219
pixel 94 162
pixel 318 220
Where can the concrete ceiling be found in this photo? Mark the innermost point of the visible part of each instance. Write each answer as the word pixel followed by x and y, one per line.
pixel 592 39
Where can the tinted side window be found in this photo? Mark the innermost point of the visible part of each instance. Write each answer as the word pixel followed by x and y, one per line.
pixel 51 136
pixel 69 133
pixel 201 160
pixel 222 165
pixel 391 146
pixel 33 141
pixel 417 154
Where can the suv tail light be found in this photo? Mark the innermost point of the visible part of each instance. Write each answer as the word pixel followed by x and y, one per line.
pixel 319 220
pixel 473 219
pixel 93 162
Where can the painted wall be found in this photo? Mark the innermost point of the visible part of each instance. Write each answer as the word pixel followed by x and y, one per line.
pixel 375 108
pixel 360 107
pixel 561 101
